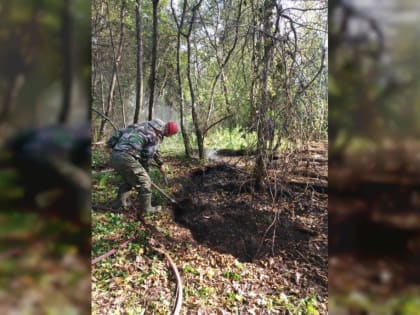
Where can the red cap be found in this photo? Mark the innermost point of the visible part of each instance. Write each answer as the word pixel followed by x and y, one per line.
pixel 171 128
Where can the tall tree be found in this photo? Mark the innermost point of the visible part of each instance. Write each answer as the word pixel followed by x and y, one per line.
pixel 116 62
pixel 215 67
pixel 152 79
pixel 194 112
pixel 180 25
pixel 67 49
pixel 266 44
pixel 139 63
pixel 219 42
pixel 17 55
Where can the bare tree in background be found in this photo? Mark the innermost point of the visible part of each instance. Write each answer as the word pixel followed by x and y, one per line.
pixel 152 79
pixel 180 25
pixel 196 121
pixel 266 44
pixel 67 48
pixel 117 60
pixel 139 62
pixel 17 58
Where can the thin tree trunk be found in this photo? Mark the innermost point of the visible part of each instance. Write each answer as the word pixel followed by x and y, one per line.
pixel 185 137
pixel 10 95
pixel 152 79
pixel 19 61
pixel 267 42
pixel 198 130
pixel 101 82
pixel 67 45
pixel 139 61
pixel 222 62
pixel 117 60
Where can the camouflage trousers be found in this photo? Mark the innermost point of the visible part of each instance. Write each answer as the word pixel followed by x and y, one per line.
pixel 132 172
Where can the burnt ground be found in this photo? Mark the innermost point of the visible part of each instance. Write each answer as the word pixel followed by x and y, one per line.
pixel 239 250
pixel 374 230
pixel 224 212
pixel 286 223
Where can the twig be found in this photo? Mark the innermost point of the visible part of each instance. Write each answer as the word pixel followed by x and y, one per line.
pixel 105 117
pixel 303 257
pixel 113 251
pixel 217 122
pixel 273 223
pixel 105 208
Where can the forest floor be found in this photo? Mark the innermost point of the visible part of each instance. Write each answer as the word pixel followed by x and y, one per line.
pixel 239 251
pixel 42 264
pixel 41 272
pixel 374 231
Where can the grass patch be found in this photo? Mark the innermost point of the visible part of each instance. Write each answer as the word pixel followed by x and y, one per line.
pixel 234 139
pixel 232 275
pixel 307 306
pixel 100 157
pixel 173 146
pixel 402 304
pixel 10 188
pixel 110 229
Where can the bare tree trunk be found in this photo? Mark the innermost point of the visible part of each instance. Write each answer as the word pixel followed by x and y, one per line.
pixel 267 44
pixel 185 137
pixel 101 97
pixel 101 82
pixel 117 59
pixel 18 62
pixel 222 61
pixel 139 61
pixel 198 130
pixel 67 46
pixel 10 95
pixel 152 79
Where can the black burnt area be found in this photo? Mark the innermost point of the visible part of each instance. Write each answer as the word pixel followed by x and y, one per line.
pixel 373 220
pixel 223 212
pixel 356 230
pixel 358 233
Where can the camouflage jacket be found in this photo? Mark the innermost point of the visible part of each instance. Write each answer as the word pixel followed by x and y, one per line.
pixel 71 143
pixel 60 153
pixel 139 140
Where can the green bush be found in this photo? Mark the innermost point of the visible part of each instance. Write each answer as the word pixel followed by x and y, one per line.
pixel 234 139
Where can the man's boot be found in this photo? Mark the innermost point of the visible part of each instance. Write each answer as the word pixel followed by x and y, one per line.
pixel 123 197
pixel 145 204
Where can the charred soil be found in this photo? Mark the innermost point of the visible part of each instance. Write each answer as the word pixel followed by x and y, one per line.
pixel 239 250
pixel 374 226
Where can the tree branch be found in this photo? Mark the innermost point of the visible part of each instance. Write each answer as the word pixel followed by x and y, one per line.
pixel 105 117
pixel 217 122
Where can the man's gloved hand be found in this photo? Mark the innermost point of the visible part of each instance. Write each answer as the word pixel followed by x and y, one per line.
pixel 162 169
pixel 163 172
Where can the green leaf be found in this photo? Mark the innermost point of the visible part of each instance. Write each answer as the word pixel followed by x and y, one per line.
pixel 311 310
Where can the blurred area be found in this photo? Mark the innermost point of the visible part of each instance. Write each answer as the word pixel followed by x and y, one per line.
pixel 374 157
pixel 45 157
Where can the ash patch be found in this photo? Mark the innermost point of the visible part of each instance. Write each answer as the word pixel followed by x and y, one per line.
pixel 223 212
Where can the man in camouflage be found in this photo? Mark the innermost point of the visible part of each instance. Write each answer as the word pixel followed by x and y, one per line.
pixel 53 163
pixel 132 149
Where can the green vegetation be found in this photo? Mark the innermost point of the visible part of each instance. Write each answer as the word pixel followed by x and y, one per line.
pixel 231 138
pixel 401 303
pixel 232 275
pixel 139 278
